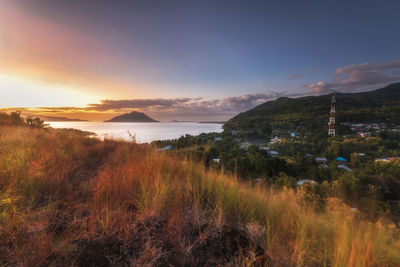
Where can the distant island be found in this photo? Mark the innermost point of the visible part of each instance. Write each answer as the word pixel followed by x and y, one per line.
pixel 217 122
pixel 181 121
pixel 54 118
pixel 132 117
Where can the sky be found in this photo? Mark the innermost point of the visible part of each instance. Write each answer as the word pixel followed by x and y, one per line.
pixel 189 60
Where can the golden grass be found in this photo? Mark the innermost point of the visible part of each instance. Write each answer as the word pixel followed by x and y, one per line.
pixel 69 200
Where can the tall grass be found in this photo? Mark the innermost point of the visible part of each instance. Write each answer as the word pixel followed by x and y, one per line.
pixel 66 199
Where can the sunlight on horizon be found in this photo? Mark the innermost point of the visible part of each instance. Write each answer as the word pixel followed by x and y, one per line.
pixel 23 92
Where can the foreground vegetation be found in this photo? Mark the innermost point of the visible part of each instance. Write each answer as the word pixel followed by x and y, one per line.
pixel 67 199
pixel 373 187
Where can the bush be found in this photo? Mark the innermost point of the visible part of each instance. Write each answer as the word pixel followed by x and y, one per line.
pixel 284 180
pixel 35 122
pixel 12 119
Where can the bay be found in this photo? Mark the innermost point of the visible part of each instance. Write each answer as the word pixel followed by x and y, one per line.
pixel 145 131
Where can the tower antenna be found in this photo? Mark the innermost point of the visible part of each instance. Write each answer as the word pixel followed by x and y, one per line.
pixel 331 128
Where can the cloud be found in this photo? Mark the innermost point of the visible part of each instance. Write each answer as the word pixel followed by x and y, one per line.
pixel 248 101
pixel 38 48
pixel 138 103
pixel 186 106
pixel 318 87
pixel 167 109
pixel 229 105
pixel 294 76
pixel 361 77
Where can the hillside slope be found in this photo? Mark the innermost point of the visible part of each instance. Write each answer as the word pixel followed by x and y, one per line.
pixel 311 114
pixel 69 200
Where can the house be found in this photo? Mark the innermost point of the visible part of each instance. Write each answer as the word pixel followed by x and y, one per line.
pixel 341 159
pixel 217 138
pixel 388 159
pixel 382 160
pixel 361 154
pixel 272 153
pixel 344 167
pixel 306 181
pixel 165 148
pixel 320 160
pixel 308 155
pixel 216 160
pixel 274 140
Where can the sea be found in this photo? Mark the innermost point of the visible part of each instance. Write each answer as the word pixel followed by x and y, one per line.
pixel 145 132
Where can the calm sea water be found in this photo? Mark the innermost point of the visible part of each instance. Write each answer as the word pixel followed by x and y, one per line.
pixel 145 132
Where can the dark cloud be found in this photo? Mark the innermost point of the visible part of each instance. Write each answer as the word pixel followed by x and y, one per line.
pixel 294 76
pixel 248 101
pixel 361 77
pixel 138 103
pixel 188 108
pixel 229 105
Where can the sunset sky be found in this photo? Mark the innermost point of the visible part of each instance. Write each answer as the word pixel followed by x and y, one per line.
pixel 197 60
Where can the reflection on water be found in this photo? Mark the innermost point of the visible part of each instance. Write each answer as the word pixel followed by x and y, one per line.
pixel 144 131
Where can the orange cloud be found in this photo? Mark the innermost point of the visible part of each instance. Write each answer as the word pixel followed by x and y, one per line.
pixel 34 47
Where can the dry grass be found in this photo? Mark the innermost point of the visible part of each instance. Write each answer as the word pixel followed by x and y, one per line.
pixel 70 200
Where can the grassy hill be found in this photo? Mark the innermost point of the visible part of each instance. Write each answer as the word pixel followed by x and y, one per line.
pixel 311 114
pixel 70 200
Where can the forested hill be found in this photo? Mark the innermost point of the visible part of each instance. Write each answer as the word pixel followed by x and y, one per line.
pixel 310 114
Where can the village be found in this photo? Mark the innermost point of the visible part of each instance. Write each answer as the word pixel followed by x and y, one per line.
pixel 362 132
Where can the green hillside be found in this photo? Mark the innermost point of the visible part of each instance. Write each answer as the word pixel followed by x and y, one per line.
pixel 310 114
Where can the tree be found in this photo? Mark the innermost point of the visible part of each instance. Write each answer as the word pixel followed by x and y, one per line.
pixel 284 180
pixel 35 122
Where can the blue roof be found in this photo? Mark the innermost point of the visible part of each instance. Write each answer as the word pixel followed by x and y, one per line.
pixel 341 159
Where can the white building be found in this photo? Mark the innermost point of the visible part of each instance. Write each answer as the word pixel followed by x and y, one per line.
pixel 320 160
pixel 344 167
pixel 272 153
pixel 306 181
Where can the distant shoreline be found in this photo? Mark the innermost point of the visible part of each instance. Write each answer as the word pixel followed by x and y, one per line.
pixel 217 122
